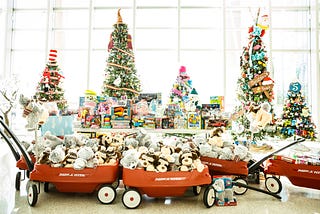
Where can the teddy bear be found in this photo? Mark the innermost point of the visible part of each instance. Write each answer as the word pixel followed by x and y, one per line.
pixel 186 161
pixel 70 157
pixel 216 137
pixel 51 140
pixel 259 117
pixel 43 158
pixel 57 156
pixel 163 164
pixel 226 153
pixel 130 159
pixel 84 154
pixel 241 152
pixel 131 143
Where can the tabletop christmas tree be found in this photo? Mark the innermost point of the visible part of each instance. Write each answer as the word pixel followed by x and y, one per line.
pixel 121 78
pixel 181 88
pixel 50 88
pixel 255 86
pixel 296 117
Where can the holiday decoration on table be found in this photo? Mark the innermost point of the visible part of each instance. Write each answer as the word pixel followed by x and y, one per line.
pixel 255 86
pixel 50 88
pixel 121 77
pixel 296 117
pixel 181 89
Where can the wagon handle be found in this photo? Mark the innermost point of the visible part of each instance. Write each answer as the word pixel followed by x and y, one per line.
pixel 254 166
pixel 17 142
pixel 12 148
pixel 239 184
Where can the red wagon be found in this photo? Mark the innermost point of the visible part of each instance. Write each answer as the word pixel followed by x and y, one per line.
pixel 102 178
pixel 164 184
pixel 299 174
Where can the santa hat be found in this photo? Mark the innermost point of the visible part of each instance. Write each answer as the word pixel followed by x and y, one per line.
pixel 267 81
pixel 52 57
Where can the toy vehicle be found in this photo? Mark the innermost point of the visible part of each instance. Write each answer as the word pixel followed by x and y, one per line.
pixel 21 162
pixel 164 184
pixel 299 174
pixel 87 180
pixel 241 169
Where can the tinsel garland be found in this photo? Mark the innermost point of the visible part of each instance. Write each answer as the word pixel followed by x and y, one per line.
pixel 125 89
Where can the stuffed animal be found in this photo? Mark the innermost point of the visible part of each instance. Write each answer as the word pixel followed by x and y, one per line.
pixel 51 140
pixel 84 154
pixel 259 117
pixel 226 153
pixel 130 159
pixel 57 156
pixel 215 138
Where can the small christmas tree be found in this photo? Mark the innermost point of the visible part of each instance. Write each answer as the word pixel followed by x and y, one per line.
pixel 121 78
pixel 50 86
pixel 181 88
pixel 296 116
pixel 255 85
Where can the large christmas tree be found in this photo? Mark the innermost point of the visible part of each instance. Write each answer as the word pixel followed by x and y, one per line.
pixel 121 78
pixel 296 116
pixel 255 86
pixel 182 86
pixel 50 88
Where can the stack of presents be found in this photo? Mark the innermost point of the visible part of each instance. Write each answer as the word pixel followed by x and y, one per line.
pixel 147 111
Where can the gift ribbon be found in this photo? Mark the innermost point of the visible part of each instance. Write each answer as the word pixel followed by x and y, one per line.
pixel 119 66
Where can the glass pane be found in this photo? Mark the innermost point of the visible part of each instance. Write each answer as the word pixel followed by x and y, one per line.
pixel 73 65
pixel 284 39
pixel 71 3
pixel 205 69
pixel 28 66
pixel 232 75
pixel 106 18
pixel 29 40
pixel 290 2
pixel 200 39
pixel 156 39
pixel 67 39
pixel 157 71
pixel 290 19
pixel 201 18
pixel 156 3
pixel 100 39
pixel 31 4
pixel 206 3
pixel 30 19
pixel 97 67
pixel 239 18
pixel 113 3
pixel 157 18
pixel 235 39
pixel 71 19
pixel 287 67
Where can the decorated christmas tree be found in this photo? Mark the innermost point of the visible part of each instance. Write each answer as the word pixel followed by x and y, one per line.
pixel 296 116
pixel 179 93
pixel 50 88
pixel 121 78
pixel 255 86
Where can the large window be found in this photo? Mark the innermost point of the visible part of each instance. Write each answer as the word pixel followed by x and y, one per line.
pixel 206 36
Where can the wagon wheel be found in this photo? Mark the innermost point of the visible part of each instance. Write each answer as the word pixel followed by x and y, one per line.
pixel 18 180
pixel 209 196
pixel 131 198
pixel 32 195
pixel 240 190
pixel 196 190
pixel 273 185
pixel 106 194
pixel 46 187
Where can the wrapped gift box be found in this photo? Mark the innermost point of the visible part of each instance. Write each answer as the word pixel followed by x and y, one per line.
pixel 58 125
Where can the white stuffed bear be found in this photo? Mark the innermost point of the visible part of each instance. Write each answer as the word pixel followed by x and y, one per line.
pixel 57 155
pixel 51 140
pixel 130 159
pixel 84 154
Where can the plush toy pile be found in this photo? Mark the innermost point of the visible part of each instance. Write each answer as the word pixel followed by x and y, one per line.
pixel 78 151
pixel 160 155
pixel 215 146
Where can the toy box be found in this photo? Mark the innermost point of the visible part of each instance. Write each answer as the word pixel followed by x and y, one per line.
pixel 194 120
pixel 121 113
pixel 106 121
pixel 58 125
pixel 217 100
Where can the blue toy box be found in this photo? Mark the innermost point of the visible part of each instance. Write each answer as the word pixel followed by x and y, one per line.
pixel 58 125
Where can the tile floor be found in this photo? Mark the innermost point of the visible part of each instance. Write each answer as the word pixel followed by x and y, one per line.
pixel 295 200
